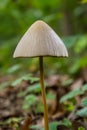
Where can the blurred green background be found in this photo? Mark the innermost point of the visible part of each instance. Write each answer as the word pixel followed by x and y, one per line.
pixel 68 18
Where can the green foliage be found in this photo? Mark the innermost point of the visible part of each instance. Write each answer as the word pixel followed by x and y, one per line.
pixel 12 121
pixel 82 112
pixel 26 77
pixel 14 68
pixel 81 44
pixel 71 40
pixel 16 17
pixel 39 107
pixel 54 125
pixel 66 122
pixel 81 128
pixel 3 85
pixel 74 93
pixel 70 95
pixel 84 1
pixel 35 127
pixel 29 101
pixel 69 105
pixel 84 102
pixel 50 96
pixel 36 88
pixel 81 63
pixel 67 82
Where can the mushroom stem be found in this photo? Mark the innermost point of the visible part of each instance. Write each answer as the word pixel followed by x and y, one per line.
pixel 43 94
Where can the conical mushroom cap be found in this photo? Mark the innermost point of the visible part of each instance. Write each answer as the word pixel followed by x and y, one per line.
pixel 40 40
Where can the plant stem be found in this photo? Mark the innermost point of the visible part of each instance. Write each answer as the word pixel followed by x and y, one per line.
pixel 43 94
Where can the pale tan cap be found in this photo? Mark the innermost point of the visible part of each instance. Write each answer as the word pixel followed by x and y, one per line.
pixel 40 40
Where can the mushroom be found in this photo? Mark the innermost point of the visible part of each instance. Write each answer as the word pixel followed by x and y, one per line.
pixel 40 41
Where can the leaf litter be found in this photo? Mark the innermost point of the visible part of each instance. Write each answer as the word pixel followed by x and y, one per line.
pixel 14 117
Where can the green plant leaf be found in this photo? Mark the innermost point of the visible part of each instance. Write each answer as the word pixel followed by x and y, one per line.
pixel 35 127
pixel 17 82
pixel 81 128
pixel 71 40
pixel 3 85
pixel 3 3
pixel 84 1
pixel 78 64
pixel 53 125
pixel 84 102
pixel 50 96
pixel 29 101
pixel 14 68
pixel 74 93
pixel 84 87
pixel 26 77
pixel 67 82
pixel 13 119
pixel 71 95
pixel 82 112
pixel 66 122
pixel 36 88
pixel 39 107
pixel 81 44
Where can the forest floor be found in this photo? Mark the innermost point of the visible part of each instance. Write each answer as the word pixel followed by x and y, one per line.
pixel 14 117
